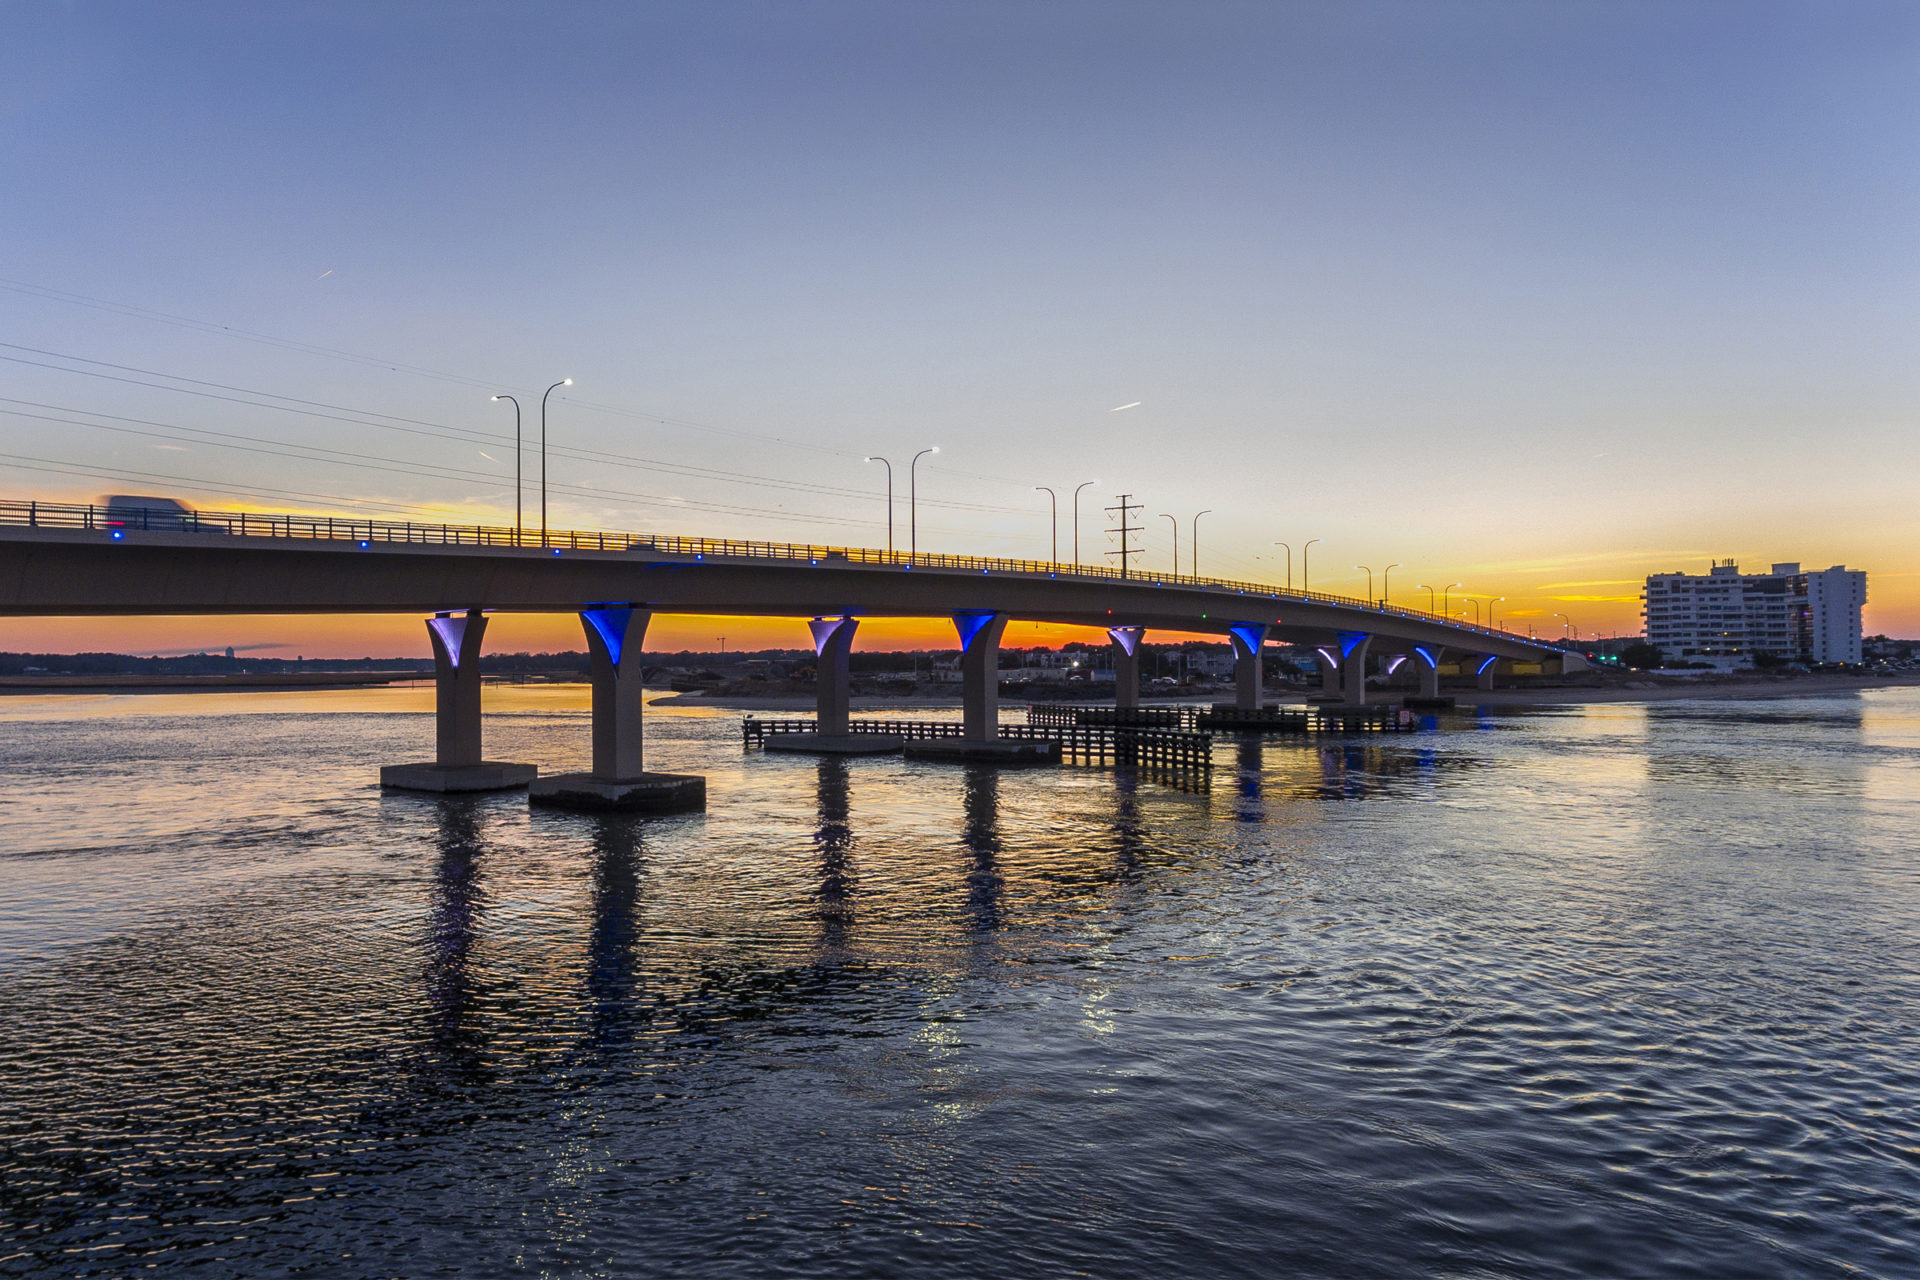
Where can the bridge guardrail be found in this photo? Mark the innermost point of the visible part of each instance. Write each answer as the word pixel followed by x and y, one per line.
pixel 256 524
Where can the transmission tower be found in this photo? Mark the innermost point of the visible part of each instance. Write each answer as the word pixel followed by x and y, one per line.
pixel 1127 530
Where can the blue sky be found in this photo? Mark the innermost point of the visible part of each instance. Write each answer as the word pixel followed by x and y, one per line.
pixel 1531 294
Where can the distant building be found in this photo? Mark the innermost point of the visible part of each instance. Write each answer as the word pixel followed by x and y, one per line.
pixel 1725 617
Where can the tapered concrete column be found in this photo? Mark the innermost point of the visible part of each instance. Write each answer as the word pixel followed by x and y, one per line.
pixel 1483 675
pixel 1329 663
pixel 456 687
pixel 1126 665
pixel 1353 667
pixel 1426 662
pixel 832 646
pixel 1248 677
pixel 615 634
pixel 980 673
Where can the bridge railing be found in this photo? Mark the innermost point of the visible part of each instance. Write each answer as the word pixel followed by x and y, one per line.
pixel 367 532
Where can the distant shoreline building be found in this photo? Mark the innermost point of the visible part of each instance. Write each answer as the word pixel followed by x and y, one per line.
pixel 1726 617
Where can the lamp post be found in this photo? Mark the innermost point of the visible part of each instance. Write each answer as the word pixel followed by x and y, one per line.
pixel 1053 521
pixel 1176 541
pixel 889 466
pixel 1076 519
pixel 1386 576
pixel 516 467
pixel 1289 550
pixel 913 501
pixel 1421 586
pixel 1496 600
pixel 1445 591
pixel 564 382
pixel 1194 554
pixel 1303 565
pixel 1573 632
pixel 1369 574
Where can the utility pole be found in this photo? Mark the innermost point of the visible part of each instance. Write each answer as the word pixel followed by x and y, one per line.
pixel 1123 512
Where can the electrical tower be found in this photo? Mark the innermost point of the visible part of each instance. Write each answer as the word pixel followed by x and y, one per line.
pixel 1127 530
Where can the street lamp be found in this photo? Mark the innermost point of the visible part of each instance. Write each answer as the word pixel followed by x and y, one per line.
pixel 913 501
pixel 1195 553
pixel 1476 610
pixel 1445 591
pixel 1386 576
pixel 1496 600
pixel 564 382
pixel 516 468
pixel 1289 550
pixel 1303 565
pixel 1053 521
pixel 1176 541
pixel 1421 586
pixel 1572 631
pixel 1076 519
pixel 1369 574
pixel 889 466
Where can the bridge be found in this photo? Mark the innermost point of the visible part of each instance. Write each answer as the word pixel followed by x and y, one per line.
pixel 73 560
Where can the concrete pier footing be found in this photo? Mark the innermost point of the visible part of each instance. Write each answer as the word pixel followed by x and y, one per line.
pixel 827 744
pixel 1007 751
pixel 648 793
pixel 487 775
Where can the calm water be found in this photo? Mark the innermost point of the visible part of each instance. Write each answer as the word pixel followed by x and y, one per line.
pixel 1615 990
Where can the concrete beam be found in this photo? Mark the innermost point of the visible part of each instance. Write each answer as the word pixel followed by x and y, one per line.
pixel 1126 665
pixel 1248 677
pixel 980 633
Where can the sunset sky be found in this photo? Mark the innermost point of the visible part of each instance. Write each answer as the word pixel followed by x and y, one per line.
pixel 1533 297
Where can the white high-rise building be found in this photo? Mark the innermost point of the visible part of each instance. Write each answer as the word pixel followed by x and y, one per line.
pixel 1726 617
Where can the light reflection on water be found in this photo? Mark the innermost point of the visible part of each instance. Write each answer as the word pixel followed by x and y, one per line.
pixel 1612 990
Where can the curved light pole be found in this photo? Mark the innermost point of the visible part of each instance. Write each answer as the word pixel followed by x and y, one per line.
pixel 1076 519
pixel 1053 522
pixel 1494 601
pixel 1289 550
pixel 1369 574
pixel 1476 610
pixel 564 382
pixel 1303 565
pixel 1421 586
pixel 913 501
pixel 1176 541
pixel 1572 631
pixel 889 466
pixel 1445 604
pixel 516 468
pixel 1386 576
pixel 1194 554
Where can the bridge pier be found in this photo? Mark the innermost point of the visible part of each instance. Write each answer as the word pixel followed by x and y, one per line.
pixel 457 764
pixel 1248 675
pixel 1126 666
pixel 615 633
pixel 1483 674
pixel 1426 664
pixel 1329 665
pixel 980 739
pixel 1353 667
pixel 833 680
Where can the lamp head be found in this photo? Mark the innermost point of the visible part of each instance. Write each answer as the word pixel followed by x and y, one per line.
pixel 935 449
pixel 566 382
pixel 496 397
